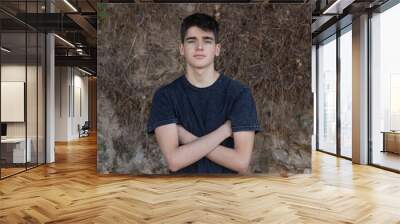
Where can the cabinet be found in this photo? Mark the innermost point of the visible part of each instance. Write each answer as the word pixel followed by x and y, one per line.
pixel 13 150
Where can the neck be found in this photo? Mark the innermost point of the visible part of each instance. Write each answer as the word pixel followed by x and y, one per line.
pixel 201 78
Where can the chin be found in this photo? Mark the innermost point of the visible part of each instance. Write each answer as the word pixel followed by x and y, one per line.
pixel 200 65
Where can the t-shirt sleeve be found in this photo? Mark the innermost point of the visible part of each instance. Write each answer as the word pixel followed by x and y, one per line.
pixel 243 115
pixel 162 111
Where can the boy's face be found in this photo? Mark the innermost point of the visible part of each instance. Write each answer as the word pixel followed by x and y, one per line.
pixel 199 48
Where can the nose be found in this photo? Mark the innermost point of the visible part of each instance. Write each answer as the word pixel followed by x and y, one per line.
pixel 200 46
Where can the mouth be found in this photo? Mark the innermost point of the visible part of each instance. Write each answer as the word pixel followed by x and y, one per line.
pixel 199 56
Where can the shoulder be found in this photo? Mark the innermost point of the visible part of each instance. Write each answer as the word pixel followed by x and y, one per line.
pixel 236 87
pixel 169 88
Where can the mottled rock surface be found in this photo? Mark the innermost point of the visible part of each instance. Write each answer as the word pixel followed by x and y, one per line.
pixel 265 46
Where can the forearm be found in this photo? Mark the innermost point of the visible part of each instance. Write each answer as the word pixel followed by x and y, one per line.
pixel 225 156
pixel 229 158
pixel 191 152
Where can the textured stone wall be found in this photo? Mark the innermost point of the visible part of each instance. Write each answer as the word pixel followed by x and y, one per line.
pixel 266 46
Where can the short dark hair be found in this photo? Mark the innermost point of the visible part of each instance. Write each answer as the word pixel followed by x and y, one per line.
pixel 202 21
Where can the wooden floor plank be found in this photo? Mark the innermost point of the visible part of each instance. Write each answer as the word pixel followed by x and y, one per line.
pixel 70 191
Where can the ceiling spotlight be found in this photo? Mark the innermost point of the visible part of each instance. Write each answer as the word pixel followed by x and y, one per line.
pixel 5 50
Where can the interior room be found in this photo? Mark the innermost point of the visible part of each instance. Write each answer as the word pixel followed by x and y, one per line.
pixel 68 100
pixel 22 100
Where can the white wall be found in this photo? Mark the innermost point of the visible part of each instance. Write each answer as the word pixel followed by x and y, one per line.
pixel 70 84
pixel 10 73
pixel 33 127
pixel 15 72
pixel 61 103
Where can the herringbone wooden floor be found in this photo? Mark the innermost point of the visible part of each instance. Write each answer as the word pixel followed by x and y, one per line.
pixel 70 191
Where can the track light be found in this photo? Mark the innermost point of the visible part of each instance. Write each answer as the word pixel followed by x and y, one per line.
pixel 86 72
pixel 70 5
pixel 338 6
pixel 5 50
pixel 64 40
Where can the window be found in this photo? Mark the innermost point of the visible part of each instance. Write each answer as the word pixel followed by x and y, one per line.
pixel 385 88
pixel 326 60
pixel 346 92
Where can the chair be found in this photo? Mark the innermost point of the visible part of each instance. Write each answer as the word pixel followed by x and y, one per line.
pixel 84 130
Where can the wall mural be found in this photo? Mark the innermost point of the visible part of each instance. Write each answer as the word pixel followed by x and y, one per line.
pixel 265 47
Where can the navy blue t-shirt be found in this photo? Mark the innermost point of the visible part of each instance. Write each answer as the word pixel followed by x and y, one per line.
pixel 202 110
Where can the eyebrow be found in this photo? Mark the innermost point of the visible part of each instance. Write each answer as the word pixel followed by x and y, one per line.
pixel 204 38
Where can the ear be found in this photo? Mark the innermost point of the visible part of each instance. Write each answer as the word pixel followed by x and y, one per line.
pixel 181 49
pixel 217 49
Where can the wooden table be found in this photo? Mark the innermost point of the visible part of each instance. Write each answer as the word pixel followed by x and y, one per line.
pixel 391 141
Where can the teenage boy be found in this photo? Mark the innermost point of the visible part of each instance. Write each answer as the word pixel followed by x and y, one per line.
pixel 204 121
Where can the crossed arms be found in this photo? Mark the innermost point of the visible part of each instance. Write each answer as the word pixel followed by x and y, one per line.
pixel 194 148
